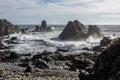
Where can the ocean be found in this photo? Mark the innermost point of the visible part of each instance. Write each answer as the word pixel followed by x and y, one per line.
pixel 36 42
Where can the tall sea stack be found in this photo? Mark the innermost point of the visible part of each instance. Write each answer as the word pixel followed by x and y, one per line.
pixel 73 31
pixel 77 31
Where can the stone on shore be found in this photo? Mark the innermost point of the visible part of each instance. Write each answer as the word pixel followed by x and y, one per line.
pixel 107 66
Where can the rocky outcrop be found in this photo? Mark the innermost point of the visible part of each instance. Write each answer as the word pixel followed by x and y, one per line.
pixel 77 31
pixel 94 30
pixel 7 28
pixel 37 29
pixel 73 31
pixel 1 45
pixel 107 66
pixel 43 27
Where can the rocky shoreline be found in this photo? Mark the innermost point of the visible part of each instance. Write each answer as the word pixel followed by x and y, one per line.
pixel 62 64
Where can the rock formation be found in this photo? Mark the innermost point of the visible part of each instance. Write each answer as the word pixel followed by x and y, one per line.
pixel 7 28
pixel 94 30
pixel 107 66
pixel 76 31
pixel 1 45
pixel 45 27
pixel 37 29
pixel 73 31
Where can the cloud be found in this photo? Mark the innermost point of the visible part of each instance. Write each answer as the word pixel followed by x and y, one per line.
pixel 89 11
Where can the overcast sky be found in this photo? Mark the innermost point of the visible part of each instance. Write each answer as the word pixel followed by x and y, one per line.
pixel 61 11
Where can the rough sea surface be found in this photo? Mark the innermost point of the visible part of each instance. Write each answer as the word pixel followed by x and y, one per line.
pixel 34 42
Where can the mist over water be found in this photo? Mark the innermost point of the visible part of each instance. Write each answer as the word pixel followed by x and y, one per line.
pixel 35 42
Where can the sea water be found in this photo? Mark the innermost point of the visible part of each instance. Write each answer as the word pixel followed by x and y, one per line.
pixel 34 42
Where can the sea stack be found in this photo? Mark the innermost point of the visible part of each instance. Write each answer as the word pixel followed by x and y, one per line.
pixel 45 27
pixel 94 30
pixel 73 31
pixel 37 29
pixel 7 28
pixel 77 31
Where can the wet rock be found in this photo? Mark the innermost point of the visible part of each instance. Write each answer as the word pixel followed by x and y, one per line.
pixel 11 42
pixel 94 30
pixel 13 38
pixel 108 62
pixel 7 28
pixel 98 48
pixel 105 41
pixel 45 27
pixel 1 44
pixel 25 64
pixel 62 50
pixel 37 56
pixel 24 30
pixel 29 69
pixel 37 29
pixel 73 31
pixel 14 55
pixel 41 64
pixel 87 49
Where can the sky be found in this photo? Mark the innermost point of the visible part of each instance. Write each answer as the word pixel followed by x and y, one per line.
pixel 60 11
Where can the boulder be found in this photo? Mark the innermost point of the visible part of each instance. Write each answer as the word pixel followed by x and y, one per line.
pixel 29 69
pixel 13 55
pixel 73 31
pixel 94 30
pixel 7 28
pixel 107 66
pixel 41 64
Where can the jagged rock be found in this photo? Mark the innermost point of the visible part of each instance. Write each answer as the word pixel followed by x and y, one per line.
pixel 37 29
pixel 62 50
pixel 13 55
pixel 73 31
pixel 7 28
pixel 13 38
pixel 108 62
pixel 29 69
pixel 45 27
pixel 105 41
pixel 41 64
pixel 94 30
pixel 1 45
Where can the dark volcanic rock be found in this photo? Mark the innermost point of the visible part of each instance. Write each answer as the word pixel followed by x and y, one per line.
pixel 45 27
pixel 9 56
pixel 37 29
pixel 73 31
pixel 41 64
pixel 62 50
pixel 1 45
pixel 7 28
pixel 29 69
pixel 105 41
pixel 107 66
pixel 94 30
